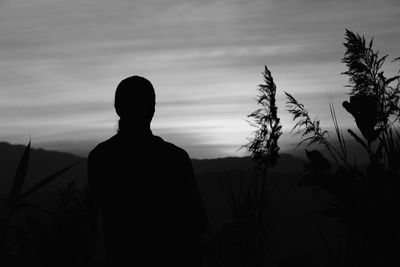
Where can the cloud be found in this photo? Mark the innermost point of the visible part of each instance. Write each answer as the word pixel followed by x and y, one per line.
pixel 60 61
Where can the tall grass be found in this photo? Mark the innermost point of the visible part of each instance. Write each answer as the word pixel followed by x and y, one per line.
pixel 368 198
pixel 15 201
pixel 250 201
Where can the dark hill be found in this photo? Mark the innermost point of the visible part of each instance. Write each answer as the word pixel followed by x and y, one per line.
pixel 41 164
pixel 290 230
pixel 208 172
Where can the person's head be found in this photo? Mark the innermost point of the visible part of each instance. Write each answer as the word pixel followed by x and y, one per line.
pixel 135 102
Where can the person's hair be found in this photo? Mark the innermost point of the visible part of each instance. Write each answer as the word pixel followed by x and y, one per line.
pixel 134 102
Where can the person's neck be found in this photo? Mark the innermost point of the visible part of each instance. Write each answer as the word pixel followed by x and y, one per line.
pixel 126 129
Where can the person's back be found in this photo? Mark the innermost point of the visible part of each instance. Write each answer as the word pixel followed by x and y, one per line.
pixel 152 209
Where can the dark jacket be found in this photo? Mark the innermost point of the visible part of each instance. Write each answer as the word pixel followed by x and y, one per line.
pixel 151 205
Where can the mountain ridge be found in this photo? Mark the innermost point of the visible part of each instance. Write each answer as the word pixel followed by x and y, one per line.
pixel 209 174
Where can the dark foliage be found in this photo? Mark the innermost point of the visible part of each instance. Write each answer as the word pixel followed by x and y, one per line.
pixel 368 199
pixel 34 236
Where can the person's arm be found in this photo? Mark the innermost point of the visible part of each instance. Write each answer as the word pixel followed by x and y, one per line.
pixel 197 216
pixel 94 178
pixel 198 210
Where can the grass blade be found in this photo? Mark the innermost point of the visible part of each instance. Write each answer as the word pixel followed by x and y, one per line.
pixel 20 176
pixel 358 139
pixel 339 133
pixel 44 182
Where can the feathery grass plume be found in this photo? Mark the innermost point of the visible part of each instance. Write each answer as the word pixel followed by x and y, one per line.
pixel 251 203
pixel 374 98
pixel 367 80
pixel 264 146
pixel 309 129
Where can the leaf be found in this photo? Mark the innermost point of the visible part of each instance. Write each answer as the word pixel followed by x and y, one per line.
pixel 20 176
pixel 349 108
pixel 44 182
pixel 317 161
pixel 339 133
pixel 358 139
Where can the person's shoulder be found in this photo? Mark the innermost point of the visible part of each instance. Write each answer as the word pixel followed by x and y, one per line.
pixel 103 147
pixel 171 148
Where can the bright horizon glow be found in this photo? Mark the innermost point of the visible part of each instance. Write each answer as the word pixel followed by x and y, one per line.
pixel 60 62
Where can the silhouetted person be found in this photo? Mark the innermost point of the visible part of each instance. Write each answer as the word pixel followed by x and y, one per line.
pixel 153 214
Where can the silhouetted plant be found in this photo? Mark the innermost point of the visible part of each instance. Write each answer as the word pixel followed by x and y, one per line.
pixel 374 104
pixel 250 205
pixel 264 146
pixel 366 78
pixel 311 131
pixel 374 98
pixel 365 196
pixel 15 204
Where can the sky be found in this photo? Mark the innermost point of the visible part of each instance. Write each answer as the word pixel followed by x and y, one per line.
pixel 61 60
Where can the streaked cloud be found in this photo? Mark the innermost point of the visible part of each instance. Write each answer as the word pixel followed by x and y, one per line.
pixel 60 62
